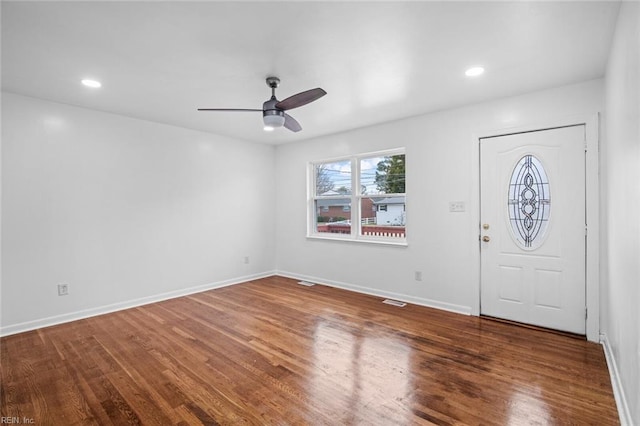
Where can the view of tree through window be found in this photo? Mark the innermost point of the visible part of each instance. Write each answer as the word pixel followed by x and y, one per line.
pixel 380 197
pixel 390 175
pixel 324 183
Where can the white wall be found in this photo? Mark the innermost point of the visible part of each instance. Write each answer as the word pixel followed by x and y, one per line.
pixel 123 210
pixel 620 159
pixel 442 166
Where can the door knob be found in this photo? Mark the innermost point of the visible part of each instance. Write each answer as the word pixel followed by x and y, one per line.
pixel 486 239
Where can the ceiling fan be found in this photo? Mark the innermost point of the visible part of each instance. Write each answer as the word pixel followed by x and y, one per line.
pixel 273 110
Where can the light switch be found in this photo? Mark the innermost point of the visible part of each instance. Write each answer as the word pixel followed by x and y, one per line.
pixel 456 206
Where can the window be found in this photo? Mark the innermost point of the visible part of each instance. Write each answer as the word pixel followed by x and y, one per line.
pixel 376 211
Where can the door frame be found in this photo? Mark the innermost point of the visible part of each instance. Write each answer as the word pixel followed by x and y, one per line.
pixel 592 208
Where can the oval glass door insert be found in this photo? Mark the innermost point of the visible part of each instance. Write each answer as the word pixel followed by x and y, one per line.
pixel 529 202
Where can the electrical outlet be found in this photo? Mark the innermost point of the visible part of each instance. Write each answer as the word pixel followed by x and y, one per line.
pixel 63 289
pixel 418 276
pixel 246 259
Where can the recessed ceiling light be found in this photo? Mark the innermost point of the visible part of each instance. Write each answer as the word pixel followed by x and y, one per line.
pixel 91 83
pixel 474 71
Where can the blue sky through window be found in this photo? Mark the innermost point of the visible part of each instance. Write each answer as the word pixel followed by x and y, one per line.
pixel 338 176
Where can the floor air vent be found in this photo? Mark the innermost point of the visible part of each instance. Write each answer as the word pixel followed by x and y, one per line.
pixel 306 283
pixel 394 303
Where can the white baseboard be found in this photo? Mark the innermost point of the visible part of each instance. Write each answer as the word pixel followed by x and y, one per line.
pixel 101 310
pixel 458 309
pixel 618 391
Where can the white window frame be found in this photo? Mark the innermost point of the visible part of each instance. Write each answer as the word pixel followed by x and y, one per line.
pixel 355 199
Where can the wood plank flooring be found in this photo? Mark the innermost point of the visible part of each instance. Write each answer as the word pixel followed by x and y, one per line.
pixel 271 351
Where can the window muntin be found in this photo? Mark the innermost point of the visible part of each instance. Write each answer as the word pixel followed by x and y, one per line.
pixel 529 202
pixel 375 212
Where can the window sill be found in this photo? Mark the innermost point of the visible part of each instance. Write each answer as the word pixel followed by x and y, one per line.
pixel 402 243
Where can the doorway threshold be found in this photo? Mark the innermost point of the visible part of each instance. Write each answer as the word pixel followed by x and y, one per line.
pixel 535 327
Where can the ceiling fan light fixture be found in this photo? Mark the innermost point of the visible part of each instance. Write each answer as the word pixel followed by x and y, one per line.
pixel 271 121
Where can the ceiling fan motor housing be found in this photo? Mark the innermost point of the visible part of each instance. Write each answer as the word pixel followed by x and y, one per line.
pixel 269 108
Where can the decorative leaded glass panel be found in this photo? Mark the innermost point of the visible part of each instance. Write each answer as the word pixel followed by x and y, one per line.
pixel 529 202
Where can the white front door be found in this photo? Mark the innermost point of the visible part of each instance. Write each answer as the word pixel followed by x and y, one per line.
pixel 533 228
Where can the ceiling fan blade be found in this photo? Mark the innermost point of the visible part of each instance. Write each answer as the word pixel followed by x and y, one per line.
pixel 228 109
pixel 300 99
pixel 291 123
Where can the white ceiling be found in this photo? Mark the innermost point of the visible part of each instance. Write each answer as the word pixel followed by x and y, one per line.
pixel 378 61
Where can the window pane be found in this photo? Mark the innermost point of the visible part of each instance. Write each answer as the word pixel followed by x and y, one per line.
pixel 382 175
pixel 383 217
pixel 333 178
pixel 333 215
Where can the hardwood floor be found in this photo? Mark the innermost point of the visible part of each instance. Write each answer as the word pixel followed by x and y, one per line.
pixel 271 351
